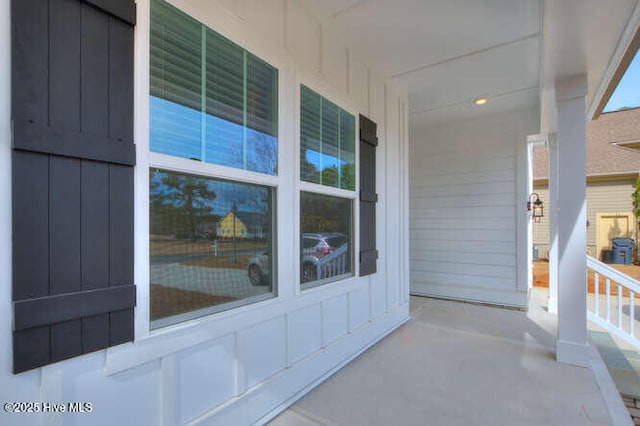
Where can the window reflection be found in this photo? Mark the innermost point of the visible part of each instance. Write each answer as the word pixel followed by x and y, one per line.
pixel 325 246
pixel 210 244
pixel 327 136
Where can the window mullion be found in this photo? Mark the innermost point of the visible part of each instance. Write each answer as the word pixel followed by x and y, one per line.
pixel 244 109
pixel 203 95
pixel 339 153
pixel 320 165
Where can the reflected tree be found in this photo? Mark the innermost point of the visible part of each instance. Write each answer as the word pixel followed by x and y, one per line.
pixel 330 176
pixel 262 153
pixel 348 172
pixel 181 204
pixel 323 213
pixel 308 170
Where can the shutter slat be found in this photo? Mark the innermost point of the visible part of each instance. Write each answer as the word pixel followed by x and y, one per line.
pixel 65 256
pixel 64 60
pixel 95 333
pixel 62 308
pixel 64 217
pixel 94 212
pixel 49 140
pixel 121 330
pixel 120 117
pixel 31 348
pixel 30 179
pixel 121 225
pixel 30 55
pixel 66 340
pixel 95 71
pixel 121 244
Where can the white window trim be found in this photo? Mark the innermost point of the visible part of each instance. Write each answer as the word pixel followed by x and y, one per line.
pixel 216 171
pixel 333 95
pixel 146 160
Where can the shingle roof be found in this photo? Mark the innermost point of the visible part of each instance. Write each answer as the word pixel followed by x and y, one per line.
pixel 604 155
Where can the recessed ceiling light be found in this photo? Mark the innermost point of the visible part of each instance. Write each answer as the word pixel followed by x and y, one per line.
pixel 481 100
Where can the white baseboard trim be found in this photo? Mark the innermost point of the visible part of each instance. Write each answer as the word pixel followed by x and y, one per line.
pixel 572 353
pixel 514 298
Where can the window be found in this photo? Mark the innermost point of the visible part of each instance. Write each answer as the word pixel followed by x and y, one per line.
pixel 211 100
pixel 212 104
pixel 327 142
pixel 327 169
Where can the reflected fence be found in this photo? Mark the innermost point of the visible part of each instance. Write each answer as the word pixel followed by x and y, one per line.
pixel 333 264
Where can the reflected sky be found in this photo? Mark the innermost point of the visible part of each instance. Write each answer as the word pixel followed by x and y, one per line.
pixel 248 198
pixel 177 130
pixel 314 157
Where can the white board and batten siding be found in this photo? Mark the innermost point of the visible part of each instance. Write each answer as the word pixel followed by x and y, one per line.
pixel 467 182
pixel 245 365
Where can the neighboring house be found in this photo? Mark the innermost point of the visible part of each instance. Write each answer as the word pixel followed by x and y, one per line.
pixel 612 168
pixel 247 225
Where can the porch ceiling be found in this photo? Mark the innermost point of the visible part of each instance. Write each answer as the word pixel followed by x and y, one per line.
pixel 447 52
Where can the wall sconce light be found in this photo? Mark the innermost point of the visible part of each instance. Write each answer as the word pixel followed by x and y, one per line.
pixel 535 205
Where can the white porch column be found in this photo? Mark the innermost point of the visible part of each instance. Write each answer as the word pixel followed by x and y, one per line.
pixel 572 347
pixel 552 302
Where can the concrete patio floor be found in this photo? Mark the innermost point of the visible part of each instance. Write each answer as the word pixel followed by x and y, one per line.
pixel 462 364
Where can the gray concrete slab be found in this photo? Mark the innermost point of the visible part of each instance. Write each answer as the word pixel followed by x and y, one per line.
pixel 458 364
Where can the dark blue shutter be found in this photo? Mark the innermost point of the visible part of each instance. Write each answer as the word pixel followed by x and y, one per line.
pixel 73 158
pixel 368 196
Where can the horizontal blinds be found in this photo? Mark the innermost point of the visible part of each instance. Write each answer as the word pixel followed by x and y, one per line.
pixel 175 62
pixel 205 90
pixel 262 99
pixel 224 78
pixel 310 132
pixel 327 142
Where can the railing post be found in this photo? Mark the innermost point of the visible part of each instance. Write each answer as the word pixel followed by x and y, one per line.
pixel 632 314
pixel 596 290
pixel 608 300
pixel 619 306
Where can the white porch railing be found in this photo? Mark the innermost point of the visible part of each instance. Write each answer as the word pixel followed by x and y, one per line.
pixel 333 264
pixel 611 300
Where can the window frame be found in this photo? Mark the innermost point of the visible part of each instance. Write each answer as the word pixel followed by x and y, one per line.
pixel 169 321
pixel 333 95
pixel 147 160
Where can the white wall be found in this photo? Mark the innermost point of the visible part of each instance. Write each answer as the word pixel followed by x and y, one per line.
pixel 244 365
pixel 468 217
